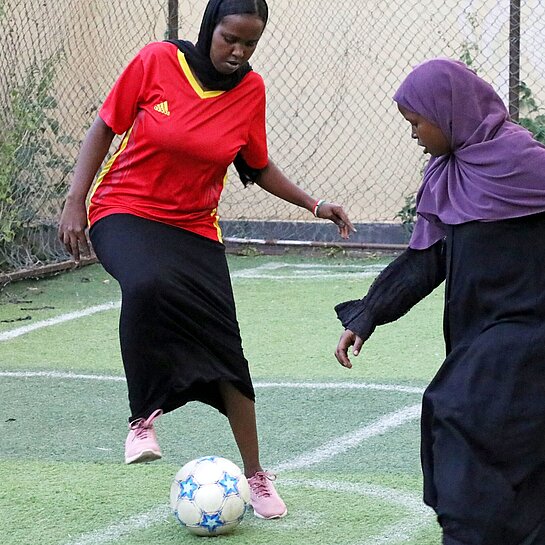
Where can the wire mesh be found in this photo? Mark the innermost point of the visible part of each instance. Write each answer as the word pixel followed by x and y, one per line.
pixel 330 72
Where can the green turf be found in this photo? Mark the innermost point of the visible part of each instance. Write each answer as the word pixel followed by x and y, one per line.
pixel 62 439
pixel 287 327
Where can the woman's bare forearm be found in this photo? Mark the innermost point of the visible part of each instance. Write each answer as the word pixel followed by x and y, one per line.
pixel 93 151
pixel 73 220
pixel 275 182
pixel 272 179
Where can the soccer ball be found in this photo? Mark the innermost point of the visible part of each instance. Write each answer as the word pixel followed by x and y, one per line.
pixel 209 496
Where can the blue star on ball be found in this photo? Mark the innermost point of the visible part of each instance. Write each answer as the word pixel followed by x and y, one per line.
pixel 229 484
pixel 188 487
pixel 211 522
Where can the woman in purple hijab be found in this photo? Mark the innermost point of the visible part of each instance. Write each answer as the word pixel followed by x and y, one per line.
pixel 480 226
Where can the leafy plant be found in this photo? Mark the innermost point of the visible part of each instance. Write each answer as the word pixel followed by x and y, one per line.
pixel 529 113
pixel 31 168
pixel 470 46
pixel 407 214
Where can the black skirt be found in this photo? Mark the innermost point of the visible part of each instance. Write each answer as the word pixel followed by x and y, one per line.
pixel 483 419
pixel 178 329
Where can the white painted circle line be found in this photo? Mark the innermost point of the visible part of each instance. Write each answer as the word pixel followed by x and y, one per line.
pixel 396 533
pixel 113 533
pixel 352 439
pixel 419 515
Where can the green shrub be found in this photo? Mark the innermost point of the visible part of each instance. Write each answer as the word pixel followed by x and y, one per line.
pixel 31 168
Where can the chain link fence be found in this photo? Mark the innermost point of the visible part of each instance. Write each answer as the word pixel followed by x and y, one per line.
pixel 330 72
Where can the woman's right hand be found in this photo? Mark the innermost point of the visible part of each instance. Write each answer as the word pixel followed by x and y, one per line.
pixel 73 228
pixel 73 222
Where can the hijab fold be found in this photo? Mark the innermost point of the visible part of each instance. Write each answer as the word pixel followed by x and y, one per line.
pixel 496 169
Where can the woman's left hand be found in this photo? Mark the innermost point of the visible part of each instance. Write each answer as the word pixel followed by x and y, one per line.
pixel 335 212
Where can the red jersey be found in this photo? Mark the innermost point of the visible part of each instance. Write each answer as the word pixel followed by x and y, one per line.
pixel 171 165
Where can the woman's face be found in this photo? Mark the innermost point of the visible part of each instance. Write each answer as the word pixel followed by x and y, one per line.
pixel 429 136
pixel 234 41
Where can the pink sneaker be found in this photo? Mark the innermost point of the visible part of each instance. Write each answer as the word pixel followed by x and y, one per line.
pixel 264 498
pixel 141 444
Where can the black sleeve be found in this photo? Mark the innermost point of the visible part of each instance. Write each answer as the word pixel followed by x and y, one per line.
pixel 402 284
pixel 247 174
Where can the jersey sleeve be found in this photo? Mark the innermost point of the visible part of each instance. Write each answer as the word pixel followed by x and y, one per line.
pixel 121 105
pixel 255 152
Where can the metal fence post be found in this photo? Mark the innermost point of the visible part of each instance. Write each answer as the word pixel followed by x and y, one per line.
pixel 172 28
pixel 514 59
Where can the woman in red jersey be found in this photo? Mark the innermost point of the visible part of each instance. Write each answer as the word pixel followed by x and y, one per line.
pixel 186 112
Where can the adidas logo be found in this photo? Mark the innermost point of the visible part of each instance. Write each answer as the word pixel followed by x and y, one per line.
pixel 162 108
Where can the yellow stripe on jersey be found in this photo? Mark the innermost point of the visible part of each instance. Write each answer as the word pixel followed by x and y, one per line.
pixel 214 212
pixel 193 82
pixel 111 161
pixel 217 224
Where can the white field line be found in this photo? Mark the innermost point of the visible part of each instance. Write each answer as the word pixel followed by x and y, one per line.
pixel 397 533
pixel 345 442
pixel 376 268
pixel 113 533
pixel 418 517
pixel 254 273
pixel 343 386
pixel 296 385
pixel 307 271
pixel 309 276
pixel 62 376
pixel 7 335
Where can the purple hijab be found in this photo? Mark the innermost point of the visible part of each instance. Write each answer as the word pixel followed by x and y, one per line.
pixel 496 169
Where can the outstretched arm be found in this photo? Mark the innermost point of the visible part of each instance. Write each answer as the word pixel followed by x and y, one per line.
pixel 73 222
pixel 402 284
pixel 275 182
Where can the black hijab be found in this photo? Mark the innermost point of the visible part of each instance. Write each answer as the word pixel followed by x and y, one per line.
pixel 198 55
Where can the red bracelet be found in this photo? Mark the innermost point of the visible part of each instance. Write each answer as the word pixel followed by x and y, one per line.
pixel 316 206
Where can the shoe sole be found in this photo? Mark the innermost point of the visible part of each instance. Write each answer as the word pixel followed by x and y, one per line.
pixel 144 456
pixel 259 516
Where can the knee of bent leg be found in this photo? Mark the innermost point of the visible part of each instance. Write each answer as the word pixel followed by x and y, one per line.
pixel 144 286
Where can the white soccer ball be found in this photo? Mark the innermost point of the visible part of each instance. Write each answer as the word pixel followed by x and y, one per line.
pixel 209 496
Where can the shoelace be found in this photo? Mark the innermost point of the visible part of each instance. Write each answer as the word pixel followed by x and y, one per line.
pixel 142 427
pixel 259 483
